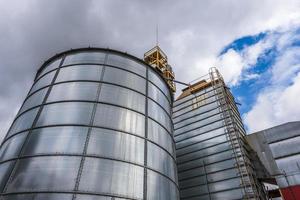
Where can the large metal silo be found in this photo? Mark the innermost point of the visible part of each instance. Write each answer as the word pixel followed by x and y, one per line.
pixel 213 158
pixel 96 124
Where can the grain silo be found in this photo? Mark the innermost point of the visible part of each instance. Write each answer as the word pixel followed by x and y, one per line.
pixel 96 124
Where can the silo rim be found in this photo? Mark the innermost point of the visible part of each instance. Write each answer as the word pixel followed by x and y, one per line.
pixel 100 49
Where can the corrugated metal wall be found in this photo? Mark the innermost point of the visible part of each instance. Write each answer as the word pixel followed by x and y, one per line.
pixel 281 144
pixel 207 168
pixel 96 124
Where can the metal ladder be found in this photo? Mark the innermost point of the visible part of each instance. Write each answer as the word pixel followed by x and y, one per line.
pixel 251 192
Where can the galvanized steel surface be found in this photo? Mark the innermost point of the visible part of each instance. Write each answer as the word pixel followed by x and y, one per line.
pixel 207 167
pixel 279 150
pixel 96 124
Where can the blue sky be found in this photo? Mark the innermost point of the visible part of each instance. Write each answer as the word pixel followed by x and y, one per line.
pixel 247 90
pixel 267 85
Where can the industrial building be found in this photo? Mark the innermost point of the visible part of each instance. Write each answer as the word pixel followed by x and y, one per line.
pixel 100 124
pixel 213 158
pixel 96 124
pixel 278 148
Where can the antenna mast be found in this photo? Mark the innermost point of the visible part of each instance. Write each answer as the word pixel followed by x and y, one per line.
pixel 158 60
pixel 157 34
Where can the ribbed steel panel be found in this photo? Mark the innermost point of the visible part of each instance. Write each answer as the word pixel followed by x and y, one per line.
pixel 207 167
pixel 96 124
pixel 279 150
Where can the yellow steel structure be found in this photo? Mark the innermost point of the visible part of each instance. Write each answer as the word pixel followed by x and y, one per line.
pixel 158 60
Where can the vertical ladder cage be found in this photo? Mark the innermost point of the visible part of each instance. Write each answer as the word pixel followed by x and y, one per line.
pixel 242 162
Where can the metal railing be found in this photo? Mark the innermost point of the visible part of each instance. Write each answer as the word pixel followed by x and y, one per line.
pixel 242 163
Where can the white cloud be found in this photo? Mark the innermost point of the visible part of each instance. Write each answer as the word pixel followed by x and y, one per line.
pixel 278 102
pixel 192 33
pixel 286 65
pixel 252 53
pixel 180 40
pixel 275 106
pixel 252 76
pixel 204 28
pixel 231 65
pixel 261 115
pixel 234 64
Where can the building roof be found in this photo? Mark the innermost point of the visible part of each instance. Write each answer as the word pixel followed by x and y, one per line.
pixel 200 85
